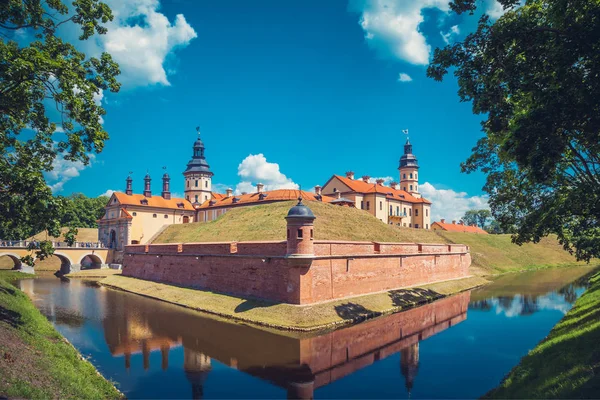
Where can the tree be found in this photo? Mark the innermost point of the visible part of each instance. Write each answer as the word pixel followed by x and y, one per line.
pixel 45 81
pixel 535 76
pixel 477 217
pixel 80 211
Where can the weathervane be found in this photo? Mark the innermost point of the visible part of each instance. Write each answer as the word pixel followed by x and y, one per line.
pixel 405 131
pixel 198 130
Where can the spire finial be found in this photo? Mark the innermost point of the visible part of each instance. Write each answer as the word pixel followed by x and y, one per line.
pixel 198 130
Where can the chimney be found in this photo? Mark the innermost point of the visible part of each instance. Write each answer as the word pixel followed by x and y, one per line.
pixel 318 190
pixel 229 192
pixel 380 181
pixel 453 222
pixel 147 191
pixel 366 178
pixel 166 193
pixel 461 222
pixel 128 190
pixel 259 187
pixel 443 221
pixel 338 195
pixel 350 174
pixel 394 185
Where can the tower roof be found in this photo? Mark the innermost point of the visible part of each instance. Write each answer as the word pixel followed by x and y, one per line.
pixel 300 211
pixel 198 163
pixel 408 159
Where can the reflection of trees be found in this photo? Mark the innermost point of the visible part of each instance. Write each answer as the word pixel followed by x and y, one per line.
pixel 483 305
pixel 530 305
pixel 70 319
pixel 568 292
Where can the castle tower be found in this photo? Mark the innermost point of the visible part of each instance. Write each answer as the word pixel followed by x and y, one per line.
pixel 147 190
pixel 129 188
pixel 196 367
pixel 198 177
pixel 300 232
pixel 409 171
pixel 166 192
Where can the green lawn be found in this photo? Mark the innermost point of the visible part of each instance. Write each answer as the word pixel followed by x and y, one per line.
pixel 36 362
pixel 567 363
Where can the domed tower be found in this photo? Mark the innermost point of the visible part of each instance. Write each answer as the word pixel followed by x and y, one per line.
pixel 300 232
pixel 409 365
pixel 198 177
pixel 196 367
pixel 409 171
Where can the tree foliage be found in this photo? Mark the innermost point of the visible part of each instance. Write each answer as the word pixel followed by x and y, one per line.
pixel 535 76
pixel 477 217
pixel 47 106
pixel 79 211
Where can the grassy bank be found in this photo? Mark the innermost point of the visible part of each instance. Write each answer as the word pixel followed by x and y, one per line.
pixel 567 363
pixel 35 360
pixel 292 317
pixel 492 254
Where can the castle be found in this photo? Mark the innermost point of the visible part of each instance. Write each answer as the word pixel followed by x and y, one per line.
pixel 137 218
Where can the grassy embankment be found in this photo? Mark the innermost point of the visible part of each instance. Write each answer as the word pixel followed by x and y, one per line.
pixel 492 254
pixel 566 364
pixel 53 263
pixel 292 317
pixel 35 360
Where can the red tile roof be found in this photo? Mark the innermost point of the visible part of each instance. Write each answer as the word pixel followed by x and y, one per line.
pixel 361 186
pixel 270 196
pixel 459 228
pixel 151 202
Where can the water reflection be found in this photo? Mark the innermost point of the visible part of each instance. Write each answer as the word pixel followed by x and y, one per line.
pixel 297 364
pixel 153 349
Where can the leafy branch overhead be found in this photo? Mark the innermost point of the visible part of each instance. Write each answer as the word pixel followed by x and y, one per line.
pixel 47 105
pixel 534 75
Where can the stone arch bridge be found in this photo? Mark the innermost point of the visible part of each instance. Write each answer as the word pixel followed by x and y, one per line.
pixel 72 258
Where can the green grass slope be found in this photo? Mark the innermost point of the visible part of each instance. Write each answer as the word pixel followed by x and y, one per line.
pixel 566 364
pixel 266 222
pixel 36 361
pixel 492 254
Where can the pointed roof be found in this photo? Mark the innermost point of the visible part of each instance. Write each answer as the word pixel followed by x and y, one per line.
pixel 198 163
pixel 363 187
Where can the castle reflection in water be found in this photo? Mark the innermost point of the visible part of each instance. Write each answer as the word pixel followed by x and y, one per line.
pixel 298 364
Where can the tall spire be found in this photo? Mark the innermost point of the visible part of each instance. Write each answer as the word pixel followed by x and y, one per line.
pixel 198 162
pixel 408 159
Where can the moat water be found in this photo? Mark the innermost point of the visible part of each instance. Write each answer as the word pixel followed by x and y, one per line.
pixel 458 347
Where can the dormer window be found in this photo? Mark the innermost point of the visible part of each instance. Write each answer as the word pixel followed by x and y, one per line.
pixel 235 200
pixel 180 205
pixel 212 203
pixel 144 202
pixel 262 196
pixel 115 200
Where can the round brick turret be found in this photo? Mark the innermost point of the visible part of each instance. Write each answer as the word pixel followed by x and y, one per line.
pixel 300 232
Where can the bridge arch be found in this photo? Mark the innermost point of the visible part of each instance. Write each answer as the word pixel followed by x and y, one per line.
pixel 16 259
pixel 91 260
pixel 65 262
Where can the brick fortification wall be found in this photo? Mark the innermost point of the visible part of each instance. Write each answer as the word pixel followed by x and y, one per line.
pixel 261 269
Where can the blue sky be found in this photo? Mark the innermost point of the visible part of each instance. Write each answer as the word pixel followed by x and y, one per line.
pixel 285 92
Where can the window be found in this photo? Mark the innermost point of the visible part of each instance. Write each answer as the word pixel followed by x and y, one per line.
pixel 405 211
pixel 403 176
pixel 362 205
pixel 416 188
pixel 187 198
pixel 380 205
pixel 205 184
pixel 166 216
pixel 188 183
pixel 368 205
pixel 410 225
pixel 134 213
pixel 427 212
pixel 411 188
pixel 299 233
pixel 417 226
pixel 397 210
pixel 205 198
pixel 404 188
pixel 115 200
pixel 415 175
pixel 312 234
pixel 416 212
pixel 153 215
pixel 411 175
pixel 334 190
pixel 391 210
pixel 196 182
pixel 196 198
pixel 410 212
pixel 426 226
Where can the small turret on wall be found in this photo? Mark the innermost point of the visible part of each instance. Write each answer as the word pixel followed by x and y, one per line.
pixel 147 190
pixel 300 234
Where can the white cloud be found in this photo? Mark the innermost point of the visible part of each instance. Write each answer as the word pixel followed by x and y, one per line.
pixel 392 27
pixel 256 169
pixel 454 30
pixel 404 77
pixel 386 180
pixel 494 9
pixel 63 171
pixel 141 40
pixel 108 193
pixel 449 204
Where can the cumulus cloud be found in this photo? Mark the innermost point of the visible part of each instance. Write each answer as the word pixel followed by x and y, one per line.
pixel 63 171
pixel 108 193
pixel 392 27
pixel 141 40
pixel 494 9
pixel 448 36
pixel 449 204
pixel 404 77
pixel 386 180
pixel 256 169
